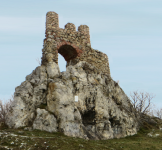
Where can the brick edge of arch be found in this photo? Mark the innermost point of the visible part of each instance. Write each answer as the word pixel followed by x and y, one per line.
pixel 78 51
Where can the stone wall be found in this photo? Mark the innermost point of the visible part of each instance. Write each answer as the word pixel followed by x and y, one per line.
pixel 73 45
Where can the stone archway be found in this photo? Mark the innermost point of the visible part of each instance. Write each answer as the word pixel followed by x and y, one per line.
pixel 68 52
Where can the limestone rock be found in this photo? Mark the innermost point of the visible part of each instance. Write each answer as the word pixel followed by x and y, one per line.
pixel 45 121
pixel 102 111
pixel 27 97
pixel 53 70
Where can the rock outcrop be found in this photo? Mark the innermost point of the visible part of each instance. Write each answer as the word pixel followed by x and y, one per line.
pixel 83 101
pixel 48 103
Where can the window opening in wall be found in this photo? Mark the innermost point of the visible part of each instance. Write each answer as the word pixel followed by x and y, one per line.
pixel 61 63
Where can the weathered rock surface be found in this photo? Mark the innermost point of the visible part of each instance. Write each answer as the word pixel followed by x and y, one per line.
pixel 46 101
pixel 45 121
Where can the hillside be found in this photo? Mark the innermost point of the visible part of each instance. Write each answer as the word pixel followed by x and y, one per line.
pixel 148 138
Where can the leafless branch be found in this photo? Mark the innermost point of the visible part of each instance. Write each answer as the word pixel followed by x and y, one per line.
pixel 141 101
pixel 158 113
pixel 38 60
pixel 4 109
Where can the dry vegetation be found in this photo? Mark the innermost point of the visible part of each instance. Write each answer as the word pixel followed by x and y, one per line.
pixel 143 107
pixel 4 109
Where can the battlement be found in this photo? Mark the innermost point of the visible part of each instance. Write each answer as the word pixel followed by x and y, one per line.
pixel 73 45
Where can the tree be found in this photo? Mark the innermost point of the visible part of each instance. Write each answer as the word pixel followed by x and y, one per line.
pixel 142 108
pixel 4 109
pixel 142 102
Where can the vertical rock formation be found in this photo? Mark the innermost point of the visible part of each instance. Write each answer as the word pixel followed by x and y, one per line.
pixel 46 99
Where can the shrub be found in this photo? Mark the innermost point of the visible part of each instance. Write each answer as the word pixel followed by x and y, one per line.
pixel 4 109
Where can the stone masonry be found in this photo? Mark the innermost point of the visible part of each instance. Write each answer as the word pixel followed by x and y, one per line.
pixel 73 45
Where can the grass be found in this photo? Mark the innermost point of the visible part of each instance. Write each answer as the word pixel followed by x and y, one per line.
pixel 40 140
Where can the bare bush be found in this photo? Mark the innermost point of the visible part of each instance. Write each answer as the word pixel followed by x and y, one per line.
pixel 38 60
pixel 143 109
pixel 142 102
pixel 158 113
pixel 4 109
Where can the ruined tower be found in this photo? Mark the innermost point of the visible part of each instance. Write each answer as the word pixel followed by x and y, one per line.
pixel 73 45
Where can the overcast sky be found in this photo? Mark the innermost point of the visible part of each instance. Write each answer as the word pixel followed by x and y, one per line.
pixel 128 31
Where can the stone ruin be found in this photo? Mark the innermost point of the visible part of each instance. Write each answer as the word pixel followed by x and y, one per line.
pixel 84 101
pixel 73 45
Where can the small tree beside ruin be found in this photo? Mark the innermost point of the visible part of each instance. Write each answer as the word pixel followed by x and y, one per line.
pixel 142 107
pixel 142 102
pixel 4 109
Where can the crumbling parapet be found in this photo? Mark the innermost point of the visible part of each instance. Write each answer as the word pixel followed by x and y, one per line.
pixel 73 45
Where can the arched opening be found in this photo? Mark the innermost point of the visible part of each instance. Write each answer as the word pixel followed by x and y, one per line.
pixel 65 54
pixel 68 52
pixel 61 63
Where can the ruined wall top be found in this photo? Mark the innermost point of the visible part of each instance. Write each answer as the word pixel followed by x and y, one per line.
pixel 73 45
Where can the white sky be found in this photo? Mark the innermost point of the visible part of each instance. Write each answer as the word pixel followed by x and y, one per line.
pixel 128 31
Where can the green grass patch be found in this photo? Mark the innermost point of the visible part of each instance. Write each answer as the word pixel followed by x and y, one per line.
pixel 41 140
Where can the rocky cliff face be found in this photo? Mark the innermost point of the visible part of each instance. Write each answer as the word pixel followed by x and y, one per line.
pixel 46 101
